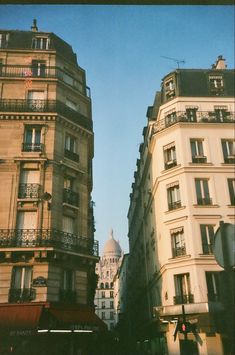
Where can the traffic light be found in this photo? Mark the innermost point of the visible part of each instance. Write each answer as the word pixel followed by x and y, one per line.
pixel 185 327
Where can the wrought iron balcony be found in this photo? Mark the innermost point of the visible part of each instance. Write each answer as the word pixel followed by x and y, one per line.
pixel 39 70
pixel 32 147
pixel 174 205
pixel 170 164
pixel 70 197
pixel 71 155
pixel 207 249
pixel 184 299
pixel 21 295
pixel 199 159
pixel 29 191
pixel 179 251
pixel 30 238
pixel 204 201
pixel 47 106
pixel 67 296
pixel 199 117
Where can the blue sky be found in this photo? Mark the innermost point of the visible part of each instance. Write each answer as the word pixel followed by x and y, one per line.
pixel 121 49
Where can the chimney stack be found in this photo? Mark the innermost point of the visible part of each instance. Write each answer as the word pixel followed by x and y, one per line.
pixel 34 27
pixel 220 63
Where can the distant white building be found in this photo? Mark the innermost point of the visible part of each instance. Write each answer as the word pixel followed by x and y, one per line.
pixel 106 270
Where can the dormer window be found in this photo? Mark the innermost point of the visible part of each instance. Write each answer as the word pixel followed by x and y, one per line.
pixel 40 43
pixel 170 88
pixel 4 38
pixel 216 83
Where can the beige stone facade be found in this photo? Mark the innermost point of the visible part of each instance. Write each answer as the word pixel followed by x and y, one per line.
pixel 184 187
pixel 46 152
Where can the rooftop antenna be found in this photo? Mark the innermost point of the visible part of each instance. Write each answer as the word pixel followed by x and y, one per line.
pixel 178 61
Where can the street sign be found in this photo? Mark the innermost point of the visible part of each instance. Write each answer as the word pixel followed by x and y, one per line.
pixel 224 245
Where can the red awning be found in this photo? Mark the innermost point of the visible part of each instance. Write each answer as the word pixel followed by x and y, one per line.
pixel 74 315
pixel 20 316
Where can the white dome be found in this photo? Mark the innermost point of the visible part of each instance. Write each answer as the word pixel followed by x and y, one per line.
pixel 112 247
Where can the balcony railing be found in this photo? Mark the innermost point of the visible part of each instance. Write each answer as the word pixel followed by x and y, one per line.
pixel 42 71
pixel 207 249
pixel 229 159
pixel 170 164
pixel 183 299
pixel 70 197
pixel 71 155
pixel 199 159
pixel 179 251
pixel 21 295
pixel 30 238
pixel 67 296
pixel 174 205
pixel 48 106
pixel 204 201
pixel 32 147
pixel 200 117
pixel 29 191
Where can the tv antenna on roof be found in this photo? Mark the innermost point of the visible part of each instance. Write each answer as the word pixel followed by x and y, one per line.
pixel 175 60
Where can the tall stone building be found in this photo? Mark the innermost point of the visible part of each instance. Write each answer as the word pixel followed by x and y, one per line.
pixel 183 188
pixel 47 247
pixel 106 270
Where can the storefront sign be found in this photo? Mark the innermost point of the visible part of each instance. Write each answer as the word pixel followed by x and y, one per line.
pixel 83 327
pixel 21 332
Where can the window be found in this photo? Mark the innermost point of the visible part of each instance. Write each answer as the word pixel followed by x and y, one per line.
pixel 221 114
pixel 68 224
pixel 111 304
pixel 169 156
pixel 178 242
pixel 202 191
pixel 216 83
pixel 67 291
pixel 36 101
pixel 170 88
pixel 197 151
pixel 106 285
pixel 111 315
pixel 213 289
pixel 26 228
pixel 173 195
pixel 228 147
pixel 207 238
pixel 21 284
pixel 38 68
pixel 103 304
pixel 71 104
pixel 29 184
pixel 111 294
pixel 69 196
pixel 40 43
pixel 191 114
pixel 70 148
pixel 102 285
pixel 103 294
pixel 32 139
pixel 182 289
pixel 4 38
pixel 170 119
pixel 103 315
pixel 231 188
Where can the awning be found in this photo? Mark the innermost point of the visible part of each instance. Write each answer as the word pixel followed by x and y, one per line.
pixel 33 316
pixel 20 316
pixel 74 317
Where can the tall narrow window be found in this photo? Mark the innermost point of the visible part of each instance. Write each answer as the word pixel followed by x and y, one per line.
pixel 202 191
pixel 169 156
pixel 32 139
pixel 173 196
pixel 21 284
pixel 170 119
pixel 4 38
pixel 70 148
pixel 68 224
pixel 178 242
pixel 207 238
pixel 36 100
pixel 38 68
pixel 231 187
pixel 197 151
pixel 26 228
pixel 29 184
pixel 182 289
pixel 216 84
pixel 191 114
pixel 67 291
pixel 69 195
pixel 228 146
pixel 213 286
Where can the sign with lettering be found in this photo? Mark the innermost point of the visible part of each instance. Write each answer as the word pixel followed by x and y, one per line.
pixel 40 281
